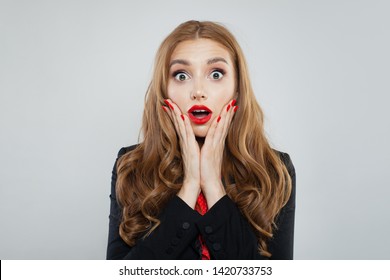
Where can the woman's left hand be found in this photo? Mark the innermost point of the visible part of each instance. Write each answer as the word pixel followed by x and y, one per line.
pixel 211 155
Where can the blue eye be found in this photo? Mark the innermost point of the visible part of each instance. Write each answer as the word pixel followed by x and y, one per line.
pixel 181 76
pixel 217 74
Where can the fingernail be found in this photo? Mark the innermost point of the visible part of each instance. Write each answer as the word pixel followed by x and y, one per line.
pixel 165 108
pixel 235 109
pixel 182 117
pixel 219 118
pixel 169 104
pixel 228 107
pixel 233 102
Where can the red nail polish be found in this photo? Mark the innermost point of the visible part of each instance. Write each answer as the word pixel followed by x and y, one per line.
pixel 228 107
pixel 235 109
pixel 219 118
pixel 169 104
pixel 233 102
pixel 165 108
pixel 182 117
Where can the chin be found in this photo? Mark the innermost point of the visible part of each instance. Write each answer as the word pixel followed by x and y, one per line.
pixel 200 130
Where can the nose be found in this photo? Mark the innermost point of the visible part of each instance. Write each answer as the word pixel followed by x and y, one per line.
pixel 198 93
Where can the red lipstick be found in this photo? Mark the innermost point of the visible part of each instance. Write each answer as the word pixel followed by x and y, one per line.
pixel 199 114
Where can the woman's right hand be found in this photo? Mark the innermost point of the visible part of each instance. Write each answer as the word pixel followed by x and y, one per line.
pixel 190 153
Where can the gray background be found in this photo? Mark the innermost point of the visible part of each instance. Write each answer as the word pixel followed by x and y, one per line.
pixel 72 80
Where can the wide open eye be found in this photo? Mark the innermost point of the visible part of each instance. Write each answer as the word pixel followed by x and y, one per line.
pixel 181 76
pixel 217 74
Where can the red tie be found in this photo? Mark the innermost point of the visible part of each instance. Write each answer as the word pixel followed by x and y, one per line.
pixel 201 207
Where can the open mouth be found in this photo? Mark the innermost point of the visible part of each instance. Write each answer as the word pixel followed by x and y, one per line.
pixel 199 114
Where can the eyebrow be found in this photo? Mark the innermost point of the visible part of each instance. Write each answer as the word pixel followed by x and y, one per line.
pixel 179 61
pixel 216 59
pixel 187 63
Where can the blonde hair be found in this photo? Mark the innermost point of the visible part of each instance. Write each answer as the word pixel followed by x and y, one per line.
pixel 150 175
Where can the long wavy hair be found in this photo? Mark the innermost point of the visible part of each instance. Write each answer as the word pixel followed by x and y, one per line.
pixel 150 175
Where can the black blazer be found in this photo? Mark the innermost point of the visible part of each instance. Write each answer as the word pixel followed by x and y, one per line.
pixel 225 230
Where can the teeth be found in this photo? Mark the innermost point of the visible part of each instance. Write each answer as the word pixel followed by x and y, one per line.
pixel 200 111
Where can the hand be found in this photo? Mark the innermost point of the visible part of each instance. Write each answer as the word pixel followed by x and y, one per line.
pixel 190 154
pixel 211 155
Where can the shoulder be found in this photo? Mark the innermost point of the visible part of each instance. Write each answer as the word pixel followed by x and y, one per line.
pixel 286 159
pixel 125 150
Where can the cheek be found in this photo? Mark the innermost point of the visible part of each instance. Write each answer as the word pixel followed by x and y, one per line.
pixel 173 92
pixel 222 95
pixel 177 95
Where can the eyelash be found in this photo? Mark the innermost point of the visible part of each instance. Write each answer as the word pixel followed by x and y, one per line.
pixel 223 72
pixel 220 71
pixel 174 74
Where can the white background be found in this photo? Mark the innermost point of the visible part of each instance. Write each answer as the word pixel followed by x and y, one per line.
pixel 72 80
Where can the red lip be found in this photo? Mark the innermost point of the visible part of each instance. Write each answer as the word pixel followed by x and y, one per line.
pixel 199 118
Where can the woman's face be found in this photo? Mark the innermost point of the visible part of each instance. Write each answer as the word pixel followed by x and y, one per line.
pixel 201 73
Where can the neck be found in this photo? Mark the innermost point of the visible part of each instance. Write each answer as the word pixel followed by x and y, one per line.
pixel 200 141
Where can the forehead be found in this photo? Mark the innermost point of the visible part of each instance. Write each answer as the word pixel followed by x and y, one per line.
pixel 202 49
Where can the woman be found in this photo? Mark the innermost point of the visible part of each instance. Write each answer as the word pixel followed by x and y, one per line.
pixel 204 183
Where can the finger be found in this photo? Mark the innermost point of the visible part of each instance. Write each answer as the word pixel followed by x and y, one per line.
pixel 222 126
pixel 183 124
pixel 226 120
pixel 229 117
pixel 169 113
pixel 174 113
pixel 177 113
